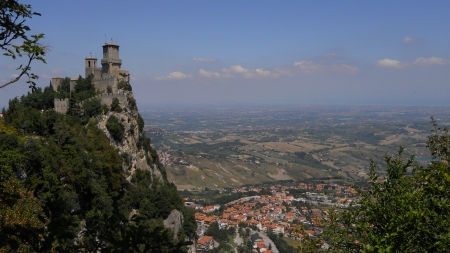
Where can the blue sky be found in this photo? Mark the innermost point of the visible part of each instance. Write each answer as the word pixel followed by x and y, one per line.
pixel 219 52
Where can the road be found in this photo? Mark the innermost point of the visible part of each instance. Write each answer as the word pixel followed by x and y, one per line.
pixel 268 241
pixel 237 239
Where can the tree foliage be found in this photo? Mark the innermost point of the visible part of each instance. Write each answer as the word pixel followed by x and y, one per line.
pixel 62 188
pixel 115 127
pixel 115 105
pixel 92 107
pixel 408 210
pixel 124 85
pixel 15 40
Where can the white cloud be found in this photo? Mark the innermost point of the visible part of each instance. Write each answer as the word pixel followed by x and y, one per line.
pixel 283 72
pixel 388 63
pixel 345 68
pixel 430 61
pixel 410 40
pixel 204 59
pixel 263 72
pixel 237 69
pixel 249 73
pixel 205 73
pixel 177 75
pixel 307 66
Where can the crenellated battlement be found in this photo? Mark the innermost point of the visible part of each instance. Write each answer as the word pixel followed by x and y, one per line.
pixel 106 98
pixel 61 105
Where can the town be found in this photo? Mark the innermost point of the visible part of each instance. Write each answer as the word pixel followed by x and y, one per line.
pixel 294 213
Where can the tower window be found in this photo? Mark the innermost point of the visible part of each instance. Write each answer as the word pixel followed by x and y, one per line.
pixel 89 64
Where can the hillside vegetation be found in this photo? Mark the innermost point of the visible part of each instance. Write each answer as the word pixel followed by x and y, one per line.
pixel 63 187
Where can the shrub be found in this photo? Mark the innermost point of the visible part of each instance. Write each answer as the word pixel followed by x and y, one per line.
pixel 132 102
pixel 92 107
pixel 140 122
pixel 115 105
pixel 124 86
pixel 115 127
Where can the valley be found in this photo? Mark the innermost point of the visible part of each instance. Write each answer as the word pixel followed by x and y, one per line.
pixel 227 147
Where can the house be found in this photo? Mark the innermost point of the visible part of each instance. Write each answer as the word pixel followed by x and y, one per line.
pixel 260 247
pixel 223 223
pixel 205 243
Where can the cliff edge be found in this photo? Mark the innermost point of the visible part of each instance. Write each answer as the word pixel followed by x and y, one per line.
pixel 137 154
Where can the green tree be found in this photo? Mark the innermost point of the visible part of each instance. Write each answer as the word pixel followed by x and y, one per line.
pixel 115 105
pixel 140 122
pixel 84 89
pixel 407 210
pixel 115 127
pixel 13 29
pixel 92 107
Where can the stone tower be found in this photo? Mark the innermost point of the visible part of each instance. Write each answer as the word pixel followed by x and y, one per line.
pixel 91 67
pixel 111 62
pixel 56 82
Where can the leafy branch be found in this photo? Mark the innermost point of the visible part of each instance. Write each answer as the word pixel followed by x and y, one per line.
pixel 13 32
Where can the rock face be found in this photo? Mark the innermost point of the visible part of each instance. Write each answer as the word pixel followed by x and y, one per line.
pixel 128 145
pixel 174 222
pixel 138 157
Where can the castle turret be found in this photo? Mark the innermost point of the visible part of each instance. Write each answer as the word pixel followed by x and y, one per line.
pixel 111 62
pixel 91 67
pixel 56 82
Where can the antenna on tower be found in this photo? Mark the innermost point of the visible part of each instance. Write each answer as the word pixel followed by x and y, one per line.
pixel 105 38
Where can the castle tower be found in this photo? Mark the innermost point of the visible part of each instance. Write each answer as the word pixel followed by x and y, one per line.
pixel 91 67
pixel 111 62
pixel 56 82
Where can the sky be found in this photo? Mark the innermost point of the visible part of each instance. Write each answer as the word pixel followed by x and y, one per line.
pixel 252 52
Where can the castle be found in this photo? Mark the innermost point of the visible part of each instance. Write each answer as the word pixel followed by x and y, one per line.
pixel 105 79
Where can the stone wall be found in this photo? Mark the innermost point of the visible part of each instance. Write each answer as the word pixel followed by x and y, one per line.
pixel 106 98
pixel 102 84
pixel 95 72
pixel 61 105
pixel 56 82
pixel 73 82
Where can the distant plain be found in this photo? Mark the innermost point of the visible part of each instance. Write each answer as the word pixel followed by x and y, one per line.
pixel 229 146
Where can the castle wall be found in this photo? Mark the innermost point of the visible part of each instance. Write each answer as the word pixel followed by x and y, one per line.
pixel 95 72
pixel 106 98
pixel 102 77
pixel 101 84
pixel 73 82
pixel 61 105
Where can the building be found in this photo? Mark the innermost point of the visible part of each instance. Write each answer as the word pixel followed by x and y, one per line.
pixel 205 243
pixel 105 78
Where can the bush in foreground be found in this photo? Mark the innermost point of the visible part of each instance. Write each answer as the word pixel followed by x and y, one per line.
pixel 401 212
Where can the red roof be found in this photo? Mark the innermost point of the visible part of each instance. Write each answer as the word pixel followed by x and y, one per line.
pixel 205 239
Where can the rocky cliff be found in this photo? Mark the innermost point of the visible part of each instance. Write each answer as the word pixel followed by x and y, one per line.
pixel 138 157
pixel 128 146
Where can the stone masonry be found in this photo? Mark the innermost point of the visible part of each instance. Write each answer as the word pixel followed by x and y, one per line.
pixel 105 79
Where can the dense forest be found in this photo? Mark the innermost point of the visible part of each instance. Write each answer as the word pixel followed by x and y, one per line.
pixel 63 189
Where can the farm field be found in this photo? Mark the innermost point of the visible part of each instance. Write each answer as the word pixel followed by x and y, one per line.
pixel 230 147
